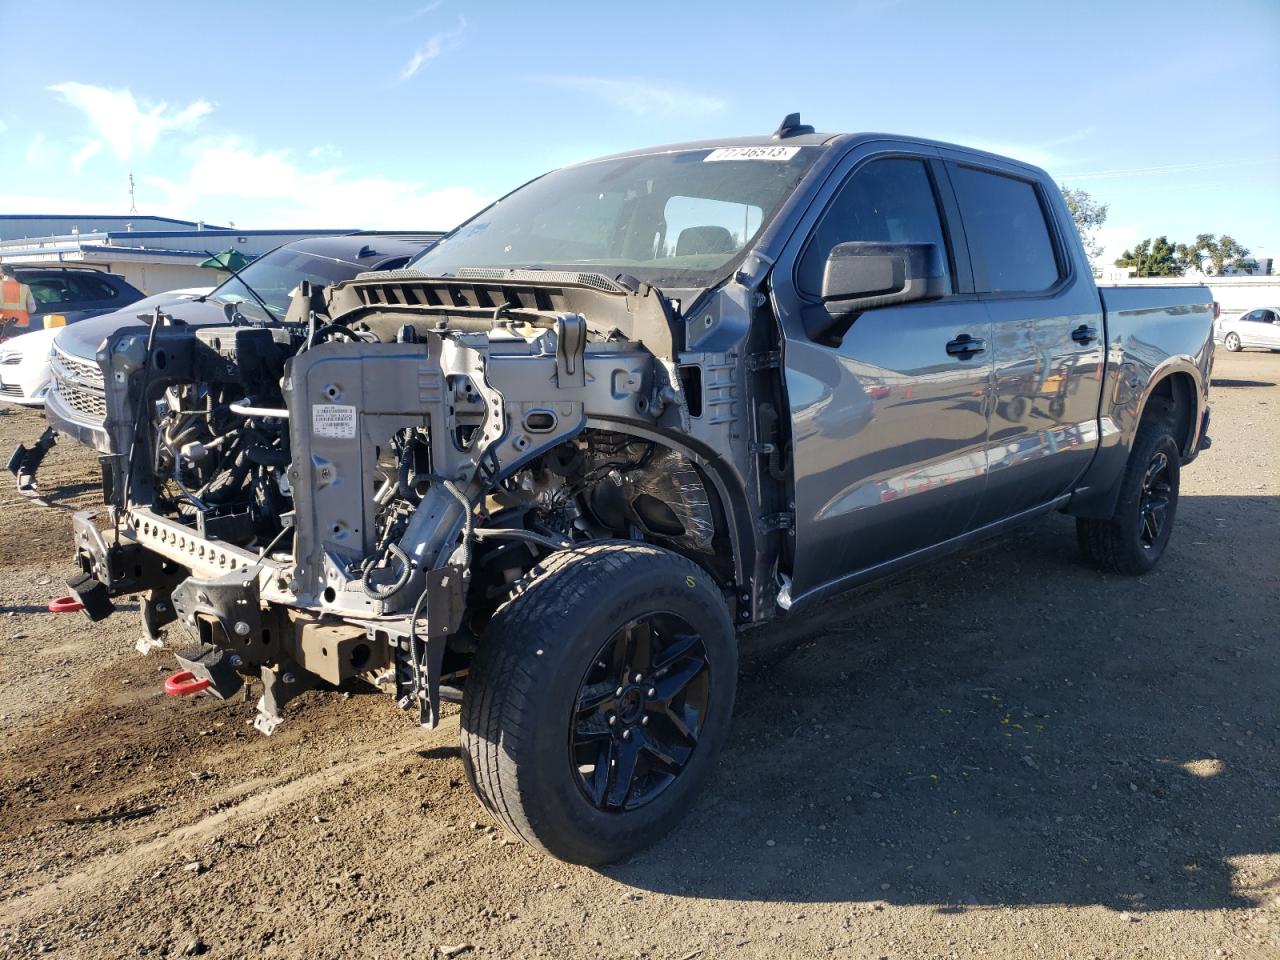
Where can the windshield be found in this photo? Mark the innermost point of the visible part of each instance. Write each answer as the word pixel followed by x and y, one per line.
pixel 670 219
pixel 275 276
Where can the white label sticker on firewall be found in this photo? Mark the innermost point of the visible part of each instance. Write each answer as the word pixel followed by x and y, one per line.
pixel 335 420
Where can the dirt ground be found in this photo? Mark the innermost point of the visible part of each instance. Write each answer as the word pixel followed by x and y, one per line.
pixel 1002 755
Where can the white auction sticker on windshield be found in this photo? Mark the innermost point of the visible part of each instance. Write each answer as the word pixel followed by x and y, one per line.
pixel 334 420
pixel 781 154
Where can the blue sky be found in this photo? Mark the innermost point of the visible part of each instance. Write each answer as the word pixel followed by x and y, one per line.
pixel 412 115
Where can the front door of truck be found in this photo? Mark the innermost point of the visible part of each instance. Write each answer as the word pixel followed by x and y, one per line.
pixel 1046 337
pixel 889 424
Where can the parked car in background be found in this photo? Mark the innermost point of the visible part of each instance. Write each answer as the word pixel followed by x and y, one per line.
pixel 24 360
pixel 38 298
pixel 260 293
pixel 1253 328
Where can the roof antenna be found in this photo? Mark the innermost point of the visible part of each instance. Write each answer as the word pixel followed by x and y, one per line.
pixel 791 127
pixel 133 203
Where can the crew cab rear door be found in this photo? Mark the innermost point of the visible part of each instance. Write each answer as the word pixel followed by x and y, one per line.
pixel 1046 333
pixel 889 426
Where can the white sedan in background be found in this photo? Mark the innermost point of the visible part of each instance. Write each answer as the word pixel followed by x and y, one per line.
pixel 1253 328
pixel 24 360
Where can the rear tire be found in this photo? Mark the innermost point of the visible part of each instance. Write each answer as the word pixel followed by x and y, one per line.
pixel 538 743
pixel 1232 342
pixel 1133 539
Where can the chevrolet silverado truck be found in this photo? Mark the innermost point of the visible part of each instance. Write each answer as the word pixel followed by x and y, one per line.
pixel 554 464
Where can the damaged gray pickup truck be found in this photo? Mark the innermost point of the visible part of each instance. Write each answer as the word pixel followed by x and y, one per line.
pixel 552 465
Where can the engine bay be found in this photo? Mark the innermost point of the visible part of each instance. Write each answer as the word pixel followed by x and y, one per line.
pixel 350 494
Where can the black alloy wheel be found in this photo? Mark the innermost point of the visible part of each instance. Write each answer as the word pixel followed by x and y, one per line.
pixel 599 698
pixel 1154 502
pixel 639 711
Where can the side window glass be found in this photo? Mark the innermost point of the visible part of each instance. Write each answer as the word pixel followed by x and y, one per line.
pixel 889 200
pixel 48 291
pixel 1251 316
pixel 88 288
pixel 1008 234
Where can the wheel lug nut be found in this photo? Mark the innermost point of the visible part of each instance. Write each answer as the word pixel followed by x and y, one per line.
pixel 618 692
pixel 626 734
pixel 639 677
pixel 644 721
pixel 612 721
pixel 653 691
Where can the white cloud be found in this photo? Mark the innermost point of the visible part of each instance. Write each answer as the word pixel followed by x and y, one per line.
pixel 422 11
pixel 86 153
pixel 641 98
pixel 1170 168
pixel 436 44
pixel 40 153
pixel 127 125
pixel 325 152
pixel 231 175
pixel 1046 154
pixel 49 203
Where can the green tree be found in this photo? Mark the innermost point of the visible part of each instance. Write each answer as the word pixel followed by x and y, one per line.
pixel 1089 215
pixel 1153 258
pixel 1191 255
pixel 1220 252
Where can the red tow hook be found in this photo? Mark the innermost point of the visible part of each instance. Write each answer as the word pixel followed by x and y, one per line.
pixel 184 683
pixel 65 605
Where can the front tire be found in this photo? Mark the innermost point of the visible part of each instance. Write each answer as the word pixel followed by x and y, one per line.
pixel 1232 342
pixel 1134 538
pixel 598 700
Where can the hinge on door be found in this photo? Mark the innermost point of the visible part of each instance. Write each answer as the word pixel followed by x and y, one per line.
pixel 772 522
pixel 763 361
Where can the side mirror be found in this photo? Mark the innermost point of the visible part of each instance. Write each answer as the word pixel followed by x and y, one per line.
pixel 862 275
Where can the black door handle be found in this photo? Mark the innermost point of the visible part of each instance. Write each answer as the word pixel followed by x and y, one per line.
pixel 965 346
pixel 1084 334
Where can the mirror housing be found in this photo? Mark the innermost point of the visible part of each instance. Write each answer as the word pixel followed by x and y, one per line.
pixel 861 275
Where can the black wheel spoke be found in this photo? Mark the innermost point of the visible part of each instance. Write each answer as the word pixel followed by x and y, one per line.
pixel 640 647
pixel 594 696
pixel 668 687
pixel 623 772
pixel 590 729
pixel 681 646
pixel 672 716
pixel 660 757
pixel 1150 529
pixel 598 785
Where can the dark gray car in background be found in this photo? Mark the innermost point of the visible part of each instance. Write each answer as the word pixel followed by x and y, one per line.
pixel 631 406
pixel 68 295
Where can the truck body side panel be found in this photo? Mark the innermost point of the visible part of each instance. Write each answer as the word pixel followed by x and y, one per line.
pixel 1152 333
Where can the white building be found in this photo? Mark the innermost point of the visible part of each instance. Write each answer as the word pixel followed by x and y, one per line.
pixel 1235 294
pixel 154 254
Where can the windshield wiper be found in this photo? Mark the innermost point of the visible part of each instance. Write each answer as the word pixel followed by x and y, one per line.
pixel 271 314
